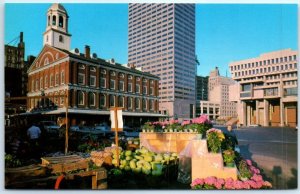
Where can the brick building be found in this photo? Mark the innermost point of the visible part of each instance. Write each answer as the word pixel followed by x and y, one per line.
pixel 93 85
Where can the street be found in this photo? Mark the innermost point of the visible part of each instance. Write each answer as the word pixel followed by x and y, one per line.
pixel 274 149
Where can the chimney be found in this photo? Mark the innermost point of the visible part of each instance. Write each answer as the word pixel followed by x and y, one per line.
pixel 87 52
pixel 21 36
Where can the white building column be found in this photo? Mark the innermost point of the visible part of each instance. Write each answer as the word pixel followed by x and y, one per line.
pixel 244 111
pixel 257 111
pixel 266 113
pixel 282 113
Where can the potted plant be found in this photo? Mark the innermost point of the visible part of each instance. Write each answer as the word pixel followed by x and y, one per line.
pixel 148 127
pixel 214 140
pixel 244 171
pixel 228 157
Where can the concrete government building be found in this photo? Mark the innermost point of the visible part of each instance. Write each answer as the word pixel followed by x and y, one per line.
pixel 161 40
pixel 267 89
pixel 92 84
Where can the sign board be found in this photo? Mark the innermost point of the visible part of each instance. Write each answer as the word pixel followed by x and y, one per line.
pixel 119 119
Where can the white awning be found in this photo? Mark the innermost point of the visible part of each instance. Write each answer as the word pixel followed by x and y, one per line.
pixel 102 112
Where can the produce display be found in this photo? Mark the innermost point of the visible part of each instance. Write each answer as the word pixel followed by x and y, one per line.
pixel 144 161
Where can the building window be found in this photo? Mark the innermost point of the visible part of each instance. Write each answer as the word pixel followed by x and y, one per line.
pixel 61 21
pixel 62 77
pixel 121 101
pixel 61 38
pixel 56 79
pixel 32 85
pixel 111 100
pixel 80 98
pixel 102 100
pixel 51 80
pixel 151 105
pixel 91 99
pixel 81 78
pixel 137 88
pixel 103 82
pixel 129 87
pixel 112 84
pixel 92 80
pixel 137 103
pixel 121 85
pixel 81 66
pixel 41 83
pixel 92 69
pixel 144 103
pixel 46 81
pixel 151 90
pixel 144 89
pixel 54 20
pixel 129 103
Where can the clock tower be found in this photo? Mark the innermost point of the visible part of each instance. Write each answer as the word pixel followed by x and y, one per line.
pixel 56 33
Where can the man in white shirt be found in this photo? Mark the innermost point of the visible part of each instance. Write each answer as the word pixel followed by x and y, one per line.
pixel 34 134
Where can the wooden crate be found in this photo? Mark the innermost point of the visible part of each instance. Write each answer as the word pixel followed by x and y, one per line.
pixel 62 164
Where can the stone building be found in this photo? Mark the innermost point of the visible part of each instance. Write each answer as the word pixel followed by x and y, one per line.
pixel 267 89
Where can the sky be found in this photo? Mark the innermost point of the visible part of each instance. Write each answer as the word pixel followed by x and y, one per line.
pixel 224 32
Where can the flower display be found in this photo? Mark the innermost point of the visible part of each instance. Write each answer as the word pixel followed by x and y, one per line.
pixel 229 184
pixel 214 139
pixel 255 181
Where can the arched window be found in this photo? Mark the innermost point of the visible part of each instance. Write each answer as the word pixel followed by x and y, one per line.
pixel 121 101
pixel 61 21
pixel 80 98
pixel 91 99
pixel 111 100
pixel 102 100
pixel 151 105
pixel 61 38
pixel 129 103
pixel 54 20
pixel 137 103
pixel 144 102
pixel 48 20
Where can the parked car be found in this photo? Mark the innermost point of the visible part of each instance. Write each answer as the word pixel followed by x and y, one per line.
pixel 49 126
pixel 107 130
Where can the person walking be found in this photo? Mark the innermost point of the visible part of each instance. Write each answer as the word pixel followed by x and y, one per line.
pixel 34 134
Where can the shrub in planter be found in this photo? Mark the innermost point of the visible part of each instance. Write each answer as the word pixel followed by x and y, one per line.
pixel 244 171
pixel 148 126
pixel 214 140
pixel 228 157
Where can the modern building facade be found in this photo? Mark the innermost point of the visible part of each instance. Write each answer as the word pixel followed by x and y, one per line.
pixel 212 109
pixel 201 92
pixel 161 40
pixel 93 85
pixel 218 91
pixel 267 89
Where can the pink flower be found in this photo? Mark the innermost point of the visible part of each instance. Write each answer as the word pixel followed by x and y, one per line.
pixel 185 123
pixel 249 162
pixel 210 180
pixel 221 181
pixel 238 184
pixel 267 184
pixel 257 178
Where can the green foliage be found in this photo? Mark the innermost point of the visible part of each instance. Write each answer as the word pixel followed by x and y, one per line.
pixel 172 126
pixel 213 142
pixel 244 169
pixel 12 161
pixel 228 156
pixel 148 126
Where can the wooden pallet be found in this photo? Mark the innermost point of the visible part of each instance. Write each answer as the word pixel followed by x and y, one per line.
pixel 62 164
pixel 41 175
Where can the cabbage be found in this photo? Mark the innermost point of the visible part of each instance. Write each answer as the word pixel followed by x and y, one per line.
pixel 158 158
pixel 128 158
pixel 132 164
pixel 127 168
pixel 128 153
pixel 148 158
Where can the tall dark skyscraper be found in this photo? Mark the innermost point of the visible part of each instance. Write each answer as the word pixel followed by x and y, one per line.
pixel 161 41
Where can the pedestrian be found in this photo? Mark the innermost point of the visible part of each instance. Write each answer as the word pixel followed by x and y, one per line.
pixel 34 134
